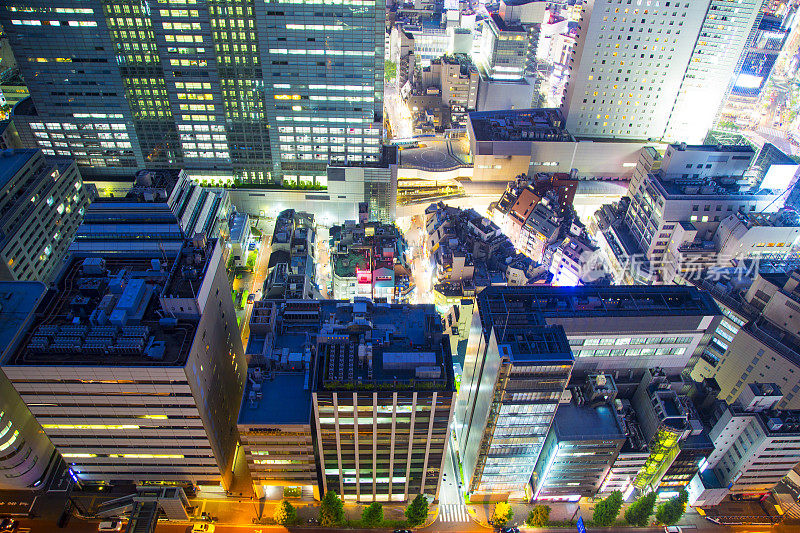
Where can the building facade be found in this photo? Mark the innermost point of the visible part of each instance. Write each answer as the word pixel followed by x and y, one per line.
pixel 201 88
pixel 511 386
pixel 755 446
pixel 278 443
pixel 649 73
pixel 43 202
pixel 382 398
pixel 583 444
pixel 28 455
pixel 132 387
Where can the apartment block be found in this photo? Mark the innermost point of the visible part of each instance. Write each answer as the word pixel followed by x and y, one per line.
pixel 755 446
pixel 675 213
pixel 134 368
pixel 42 202
pixel 388 368
pixel 458 80
pixel 758 338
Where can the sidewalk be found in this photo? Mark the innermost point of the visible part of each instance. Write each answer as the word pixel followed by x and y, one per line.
pixel 563 512
pixel 245 511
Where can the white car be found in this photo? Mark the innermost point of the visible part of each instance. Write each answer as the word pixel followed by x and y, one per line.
pixel 672 529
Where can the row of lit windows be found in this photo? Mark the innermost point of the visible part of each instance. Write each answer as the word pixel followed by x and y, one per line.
pixel 334 148
pixel 202 137
pixel 182 26
pixel 179 13
pixel 233 24
pixel 316 52
pixel 66 10
pixel 183 38
pixel 72 23
pixel 322 119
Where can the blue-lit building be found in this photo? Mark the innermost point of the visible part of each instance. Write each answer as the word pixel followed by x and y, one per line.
pixel 510 390
pixel 583 443
pixel 514 356
pixel 227 89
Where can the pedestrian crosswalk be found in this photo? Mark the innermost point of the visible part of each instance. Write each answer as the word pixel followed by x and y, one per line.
pixel 453 512
pixel 772 131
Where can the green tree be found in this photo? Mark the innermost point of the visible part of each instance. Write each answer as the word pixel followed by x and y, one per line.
pixel 251 261
pixel 539 516
pixel 372 515
pixel 672 510
pixel 417 511
pixel 331 510
pixel 285 514
pixel 502 514
pixel 638 514
pixel 389 70
pixel 605 512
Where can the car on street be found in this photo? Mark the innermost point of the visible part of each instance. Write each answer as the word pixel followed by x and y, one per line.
pixel 509 530
pixel 203 528
pixel 251 298
pixel 8 525
pixel 672 529
pixel 402 531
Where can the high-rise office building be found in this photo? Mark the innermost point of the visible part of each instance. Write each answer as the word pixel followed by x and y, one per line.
pixel 710 72
pixel 134 368
pixel 583 443
pixel 620 330
pixel 512 383
pixel 654 71
pixel 383 392
pixel 226 89
pixel 760 56
pixel 42 203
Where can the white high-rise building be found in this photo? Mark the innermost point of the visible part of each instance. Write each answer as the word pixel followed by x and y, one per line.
pixel 708 77
pixel 652 69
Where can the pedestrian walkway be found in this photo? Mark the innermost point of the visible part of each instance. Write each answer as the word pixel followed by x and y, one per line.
pixel 453 512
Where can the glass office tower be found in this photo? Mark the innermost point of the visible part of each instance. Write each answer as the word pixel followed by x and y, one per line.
pixel 228 89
